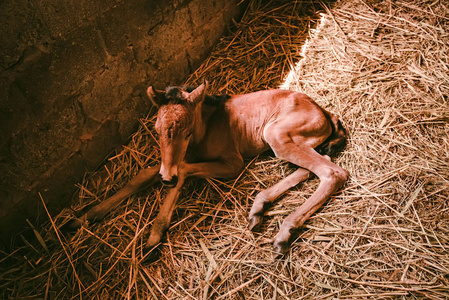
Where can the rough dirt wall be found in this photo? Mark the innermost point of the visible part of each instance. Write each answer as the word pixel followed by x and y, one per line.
pixel 72 82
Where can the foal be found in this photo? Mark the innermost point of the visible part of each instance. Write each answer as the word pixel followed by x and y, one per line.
pixel 209 136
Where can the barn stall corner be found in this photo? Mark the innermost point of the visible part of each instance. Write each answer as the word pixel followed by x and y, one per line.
pixel 383 68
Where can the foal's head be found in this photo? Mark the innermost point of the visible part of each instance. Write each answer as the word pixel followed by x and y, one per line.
pixel 177 121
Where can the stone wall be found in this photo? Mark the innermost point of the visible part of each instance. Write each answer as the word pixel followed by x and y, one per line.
pixel 72 86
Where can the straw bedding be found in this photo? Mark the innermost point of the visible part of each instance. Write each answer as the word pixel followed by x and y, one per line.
pixel 382 66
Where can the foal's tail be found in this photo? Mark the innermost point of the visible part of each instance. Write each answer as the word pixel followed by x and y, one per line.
pixel 337 140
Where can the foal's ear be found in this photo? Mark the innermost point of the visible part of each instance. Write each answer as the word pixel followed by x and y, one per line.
pixel 198 94
pixel 156 96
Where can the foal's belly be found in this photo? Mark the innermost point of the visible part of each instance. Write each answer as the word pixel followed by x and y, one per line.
pixel 253 148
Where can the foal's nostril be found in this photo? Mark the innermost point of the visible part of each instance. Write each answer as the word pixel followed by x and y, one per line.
pixel 172 182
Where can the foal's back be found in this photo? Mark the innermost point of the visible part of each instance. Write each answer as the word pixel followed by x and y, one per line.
pixel 243 119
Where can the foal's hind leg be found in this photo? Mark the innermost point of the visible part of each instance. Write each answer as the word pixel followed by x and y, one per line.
pixel 266 197
pixel 142 179
pixel 332 178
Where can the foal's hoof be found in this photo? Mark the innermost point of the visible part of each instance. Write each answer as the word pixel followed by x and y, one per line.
pixel 151 255
pixel 152 250
pixel 153 241
pixel 72 225
pixel 255 222
pixel 280 248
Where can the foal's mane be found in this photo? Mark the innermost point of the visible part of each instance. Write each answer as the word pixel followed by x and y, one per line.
pixel 173 95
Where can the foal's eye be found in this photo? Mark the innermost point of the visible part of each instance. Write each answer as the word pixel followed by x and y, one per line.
pixel 188 135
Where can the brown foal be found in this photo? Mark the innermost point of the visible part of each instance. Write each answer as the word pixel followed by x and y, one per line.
pixel 209 136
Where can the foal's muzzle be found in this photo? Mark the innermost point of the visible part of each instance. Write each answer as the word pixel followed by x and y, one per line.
pixel 170 183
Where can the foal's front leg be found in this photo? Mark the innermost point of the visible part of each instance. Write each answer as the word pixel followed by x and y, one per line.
pixel 162 220
pixel 144 178
pixel 219 169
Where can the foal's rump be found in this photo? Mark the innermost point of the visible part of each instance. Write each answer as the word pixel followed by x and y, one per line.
pixel 294 115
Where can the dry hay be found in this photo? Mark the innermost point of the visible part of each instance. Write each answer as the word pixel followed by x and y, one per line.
pixel 383 67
